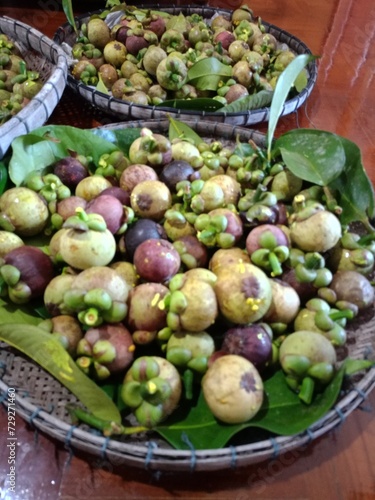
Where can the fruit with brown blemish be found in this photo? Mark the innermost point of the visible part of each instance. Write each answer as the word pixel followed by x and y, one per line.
pixel 233 389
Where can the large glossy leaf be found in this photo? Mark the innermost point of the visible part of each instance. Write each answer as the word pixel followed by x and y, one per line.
pixel 207 82
pixel 50 355
pixel 282 89
pixel 259 100
pixel 36 151
pixel 209 66
pixel 354 188
pixel 313 155
pixel 122 138
pixel 282 413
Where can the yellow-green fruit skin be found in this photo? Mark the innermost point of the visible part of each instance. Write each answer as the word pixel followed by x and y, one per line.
pixel 233 389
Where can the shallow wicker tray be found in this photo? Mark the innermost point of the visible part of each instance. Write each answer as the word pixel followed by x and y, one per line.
pixel 45 56
pixel 122 110
pixel 41 399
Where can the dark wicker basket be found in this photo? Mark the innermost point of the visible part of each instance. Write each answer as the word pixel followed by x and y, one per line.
pixel 123 110
pixel 43 55
pixel 41 399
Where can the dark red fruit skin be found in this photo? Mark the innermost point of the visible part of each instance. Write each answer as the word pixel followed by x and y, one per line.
pixel 118 193
pixel 70 171
pixel 35 266
pixel 156 260
pixel 250 341
pixel 119 336
pixel 141 230
pixel 195 248
pixel 176 171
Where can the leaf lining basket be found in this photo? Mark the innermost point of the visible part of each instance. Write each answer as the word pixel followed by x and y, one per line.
pixel 122 110
pixel 45 56
pixel 41 399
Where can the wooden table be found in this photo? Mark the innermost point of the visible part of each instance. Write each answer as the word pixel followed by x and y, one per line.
pixel 339 465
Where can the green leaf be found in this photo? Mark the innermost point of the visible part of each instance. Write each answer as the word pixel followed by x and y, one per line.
pixel 68 11
pixel 45 145
pixel 207 82
pixel 45 350
pixel 313 155
pixel 207 67
pixel 100 87
pixel 199 104
pixel 282 89
pixel 3 177
pixel 356 193
pixel 282 413
pixel 301 81
pixel 179 130
pixel 259 100
pixel 353 366
pixel 14 313
pixel 122 138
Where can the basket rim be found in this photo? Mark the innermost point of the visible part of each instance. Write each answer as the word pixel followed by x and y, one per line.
pixel 249 117
pixel 30 116
pixel 163 459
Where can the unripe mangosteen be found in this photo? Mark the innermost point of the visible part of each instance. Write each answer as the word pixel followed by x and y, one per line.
pixel 27 270
pixel 151 199
pixel 23 211
pixel 253 342
pixel 156 260
pixel 70 171
pixel 89 187
pixel 9 241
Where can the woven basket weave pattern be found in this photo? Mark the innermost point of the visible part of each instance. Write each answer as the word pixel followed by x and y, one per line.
pixel 41 399
pixel 43 55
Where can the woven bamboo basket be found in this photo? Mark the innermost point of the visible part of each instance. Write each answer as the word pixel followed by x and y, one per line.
pixel 41 400
pixel 122 110
pixel 43 55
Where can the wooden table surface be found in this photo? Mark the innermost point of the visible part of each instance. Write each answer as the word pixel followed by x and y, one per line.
pixel 339 465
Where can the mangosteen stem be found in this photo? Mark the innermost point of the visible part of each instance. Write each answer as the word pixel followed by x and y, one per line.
pixel 275 264
pixel 307 390
pixel 90 317
pixel 188 378
pixel 108 427
pixel 344 313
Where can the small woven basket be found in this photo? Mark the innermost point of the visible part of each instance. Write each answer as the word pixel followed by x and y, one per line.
pixel 123 110
pixel 41 400
pixel 45 56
